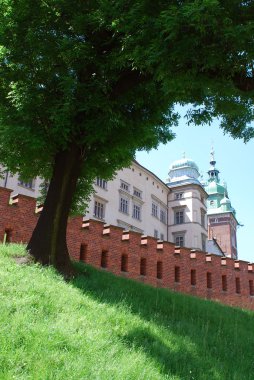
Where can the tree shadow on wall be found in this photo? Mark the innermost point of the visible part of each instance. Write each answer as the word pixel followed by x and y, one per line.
pixel 201 339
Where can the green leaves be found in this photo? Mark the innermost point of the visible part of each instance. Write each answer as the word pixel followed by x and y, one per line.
pixel 107 75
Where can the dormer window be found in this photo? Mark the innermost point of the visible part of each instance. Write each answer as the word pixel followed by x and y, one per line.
pixel 179 195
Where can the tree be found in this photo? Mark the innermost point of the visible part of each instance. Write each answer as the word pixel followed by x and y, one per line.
pixel 84 85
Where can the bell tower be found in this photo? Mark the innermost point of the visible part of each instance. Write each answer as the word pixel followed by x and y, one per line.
pixel 222 222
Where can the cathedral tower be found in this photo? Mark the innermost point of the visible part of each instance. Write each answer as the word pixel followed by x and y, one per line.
pixel 222 222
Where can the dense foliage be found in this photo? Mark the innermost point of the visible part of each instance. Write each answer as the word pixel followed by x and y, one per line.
pixel 90 82
pixel 106 74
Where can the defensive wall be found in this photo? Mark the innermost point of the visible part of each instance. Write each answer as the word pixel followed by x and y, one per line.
pixel 139 257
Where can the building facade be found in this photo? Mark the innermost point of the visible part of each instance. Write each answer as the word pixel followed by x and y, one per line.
pixel 175 211
pixel 136 199
pixel 187 206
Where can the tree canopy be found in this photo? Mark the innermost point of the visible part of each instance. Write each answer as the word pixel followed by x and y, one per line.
pixel 99 79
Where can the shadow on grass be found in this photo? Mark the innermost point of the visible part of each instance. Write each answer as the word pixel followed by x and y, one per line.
pixel 198 339
pixel 173 358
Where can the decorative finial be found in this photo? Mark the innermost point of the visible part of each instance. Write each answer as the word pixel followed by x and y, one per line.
pixel 212 154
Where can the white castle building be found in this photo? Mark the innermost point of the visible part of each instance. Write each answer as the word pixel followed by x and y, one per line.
pixel 136 199
pixel 176 211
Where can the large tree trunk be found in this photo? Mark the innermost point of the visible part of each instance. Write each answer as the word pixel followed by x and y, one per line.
pixel 48 242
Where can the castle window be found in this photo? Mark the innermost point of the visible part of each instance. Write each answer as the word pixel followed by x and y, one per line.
pixel 155 210
pixel 179 195
pixel 101 183
pixel 137 193
pixel 179 240
pixel 136 212
pixel 124 205
pixel 162 215
pixel 29 184
pixel 179 217
pixel 162 236
pixel 99 209
pixel 156 234
pixel 125 186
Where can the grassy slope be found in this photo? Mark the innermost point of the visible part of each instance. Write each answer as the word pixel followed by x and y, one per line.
pixel 103 327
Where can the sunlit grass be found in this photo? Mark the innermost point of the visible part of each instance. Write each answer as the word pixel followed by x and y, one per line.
pixel 103 327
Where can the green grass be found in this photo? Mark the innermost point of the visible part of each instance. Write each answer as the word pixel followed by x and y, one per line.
pixel 103 327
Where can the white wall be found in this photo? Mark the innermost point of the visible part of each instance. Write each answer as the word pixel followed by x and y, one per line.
pixel 192 202
pixel 11 181
pixel 152 190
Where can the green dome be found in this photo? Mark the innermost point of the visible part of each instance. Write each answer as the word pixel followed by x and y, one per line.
pixel 225 201
pixel 183 163
pixel 225 204
pixel 215 188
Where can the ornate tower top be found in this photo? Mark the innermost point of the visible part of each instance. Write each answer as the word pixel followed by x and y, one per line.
pixel 220 212
pixel 213 172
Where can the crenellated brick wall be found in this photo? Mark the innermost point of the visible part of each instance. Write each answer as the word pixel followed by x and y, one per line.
pixel 17 216
pixel 141 258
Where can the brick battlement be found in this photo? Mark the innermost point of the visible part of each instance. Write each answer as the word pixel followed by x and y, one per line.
pixel 139 257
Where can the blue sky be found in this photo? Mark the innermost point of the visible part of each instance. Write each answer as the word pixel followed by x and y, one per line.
pixel 234 161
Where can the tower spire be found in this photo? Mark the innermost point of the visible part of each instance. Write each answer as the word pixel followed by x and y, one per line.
pixel 213 172
pixel 212 161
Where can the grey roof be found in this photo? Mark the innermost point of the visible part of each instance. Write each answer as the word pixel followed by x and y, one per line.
pixel 213 247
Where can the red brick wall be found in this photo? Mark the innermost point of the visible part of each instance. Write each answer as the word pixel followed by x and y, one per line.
pixel 97 239
pixel 223 231
pixel 112 243
pixel 18 219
